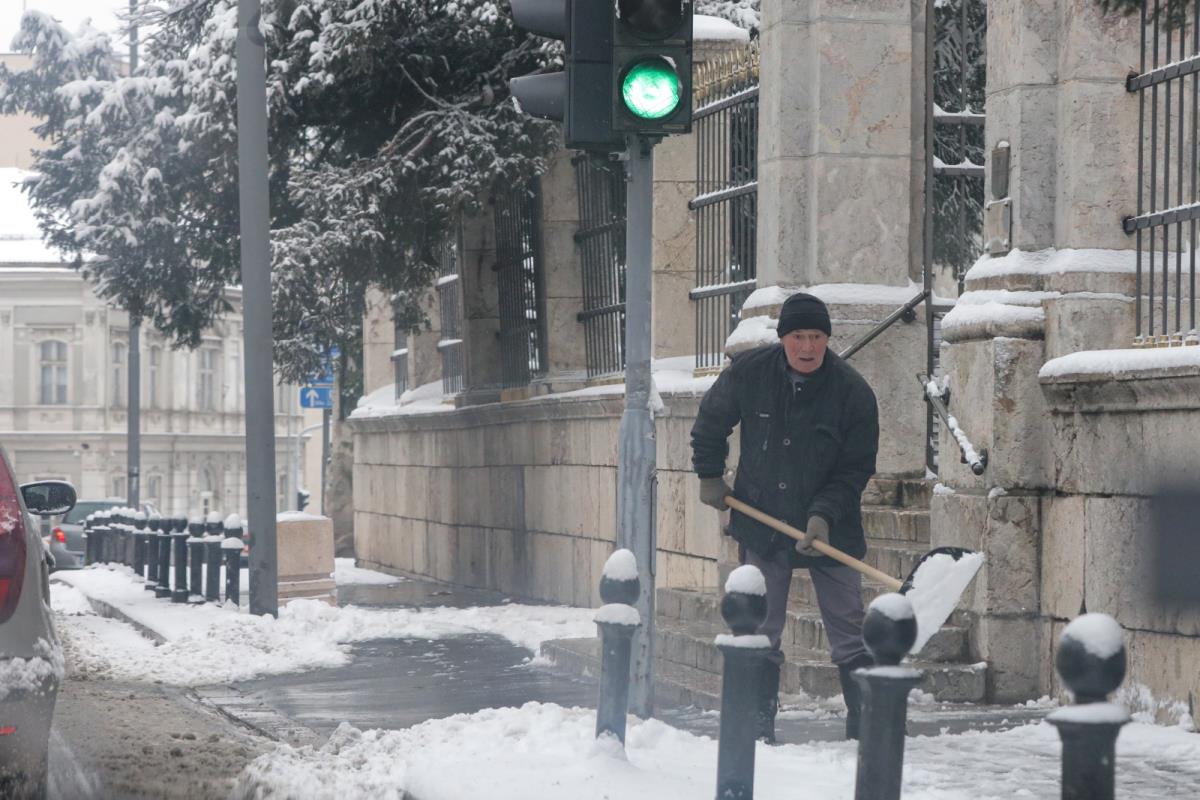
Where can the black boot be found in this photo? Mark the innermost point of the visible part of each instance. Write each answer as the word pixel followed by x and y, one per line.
pixel 852 692
pixel 768 702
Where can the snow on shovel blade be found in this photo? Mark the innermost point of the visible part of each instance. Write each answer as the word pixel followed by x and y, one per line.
pixel 935 586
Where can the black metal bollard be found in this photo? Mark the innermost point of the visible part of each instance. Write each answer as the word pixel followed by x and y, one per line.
pixel 617 619
pixel 1091 662
pixel 231 548
pixel 195 544
pixel 139 553
pixel 89 541
pixel 214 535
pixel 179 537
pixel 139 524
pixel 112 531
pixel 889 630
pixel 102 530
pixel 744 607
pixel 162 539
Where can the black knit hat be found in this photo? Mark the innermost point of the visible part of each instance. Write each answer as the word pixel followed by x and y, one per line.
pixel 803 312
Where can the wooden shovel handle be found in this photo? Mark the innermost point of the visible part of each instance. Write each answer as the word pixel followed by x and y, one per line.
pixel 824 549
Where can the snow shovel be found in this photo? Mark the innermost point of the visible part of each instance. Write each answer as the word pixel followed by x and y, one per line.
pixel 933 587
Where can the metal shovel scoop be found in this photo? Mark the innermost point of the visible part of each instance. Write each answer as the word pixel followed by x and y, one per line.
pixel 934 586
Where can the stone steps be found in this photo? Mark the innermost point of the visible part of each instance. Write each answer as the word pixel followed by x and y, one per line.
pixel 887 525
pixel 898 492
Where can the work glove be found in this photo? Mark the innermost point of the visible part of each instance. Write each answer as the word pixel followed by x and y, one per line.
pixel 817 528
pixel 713 492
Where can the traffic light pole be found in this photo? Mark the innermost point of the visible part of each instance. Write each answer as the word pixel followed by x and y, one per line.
pixel 637 450
pixel 257 338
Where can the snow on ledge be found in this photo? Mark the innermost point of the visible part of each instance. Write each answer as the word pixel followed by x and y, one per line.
pixel 1099 634
pixel 621 566
pixel 752 332
pixel 712 29
pixel 751 641
pixel 894 606
pixel 1120 363
pixel 746 579
pixel 875 294
pixel 298 516
pixel 1052 261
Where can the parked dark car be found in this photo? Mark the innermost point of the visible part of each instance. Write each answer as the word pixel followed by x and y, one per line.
pixel 65 539
pixel 31 659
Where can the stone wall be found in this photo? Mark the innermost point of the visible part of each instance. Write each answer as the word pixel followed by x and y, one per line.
pixel 521 497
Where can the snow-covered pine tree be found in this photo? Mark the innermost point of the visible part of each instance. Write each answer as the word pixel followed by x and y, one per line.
pixel 386 119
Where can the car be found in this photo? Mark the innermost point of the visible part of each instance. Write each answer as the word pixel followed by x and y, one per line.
pixel 31 658
pixel 66 540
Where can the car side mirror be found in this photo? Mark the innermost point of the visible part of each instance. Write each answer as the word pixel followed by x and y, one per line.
pixel 48 498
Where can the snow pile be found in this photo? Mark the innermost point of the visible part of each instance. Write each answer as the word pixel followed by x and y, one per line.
pixel 209 644
pixel 542 751
pixel 937 586
pixel 1114 363
pixel 345 573
pixel 752 332
pixel 618 614
pixel 621 566
pixel 1099 634
pixel 749 641
pixel 746 579
pixel 990 319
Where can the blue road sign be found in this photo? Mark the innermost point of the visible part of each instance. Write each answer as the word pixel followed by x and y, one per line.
pixel 325 376
pixel 316 397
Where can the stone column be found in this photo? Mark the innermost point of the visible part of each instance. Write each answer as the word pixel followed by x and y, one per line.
pixel 378 341
pixel 1056 96
pixel 481 308
pixel 841 142
pixel 563 265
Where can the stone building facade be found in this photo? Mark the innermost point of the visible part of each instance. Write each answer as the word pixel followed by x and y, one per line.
pixel 519 495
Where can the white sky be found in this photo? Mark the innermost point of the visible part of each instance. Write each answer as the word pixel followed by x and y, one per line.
pixel 103 14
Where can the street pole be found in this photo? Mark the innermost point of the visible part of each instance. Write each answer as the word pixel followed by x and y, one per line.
pixel 636 456
pixel 254 217
pixel 133 435
pixel 325 416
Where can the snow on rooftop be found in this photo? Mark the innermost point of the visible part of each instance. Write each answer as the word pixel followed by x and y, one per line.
pixel 706 28
pixel 20 237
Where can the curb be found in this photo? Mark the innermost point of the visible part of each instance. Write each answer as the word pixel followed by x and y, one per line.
pixel 231 703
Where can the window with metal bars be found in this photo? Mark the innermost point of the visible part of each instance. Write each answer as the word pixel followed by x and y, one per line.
pixel 726 202
pixel 600 186
pixel 520 280
pixel 1167 200
pixel 449 291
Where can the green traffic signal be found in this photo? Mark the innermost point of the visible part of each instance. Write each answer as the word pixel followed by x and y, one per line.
pixel 651 89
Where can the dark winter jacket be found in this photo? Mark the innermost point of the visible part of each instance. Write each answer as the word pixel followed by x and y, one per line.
pixel 802 453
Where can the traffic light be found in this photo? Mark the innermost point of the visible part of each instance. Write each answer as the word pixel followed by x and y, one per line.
pixel 302 496
pixel 652 67
pixel 580 95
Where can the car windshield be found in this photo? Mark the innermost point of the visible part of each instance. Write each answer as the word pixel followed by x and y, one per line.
pixel 84 507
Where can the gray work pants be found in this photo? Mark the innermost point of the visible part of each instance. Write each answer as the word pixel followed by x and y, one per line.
pixel 839 596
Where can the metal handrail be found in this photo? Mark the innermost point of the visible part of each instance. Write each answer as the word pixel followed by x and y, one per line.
pixel 977 460
pixel 905 312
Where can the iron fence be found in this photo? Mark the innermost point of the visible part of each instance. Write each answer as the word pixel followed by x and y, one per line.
pixel 1167 201
pixel 521 282
pixel 957 95
pixel 449 291
pixel 726 202
pixel 600 186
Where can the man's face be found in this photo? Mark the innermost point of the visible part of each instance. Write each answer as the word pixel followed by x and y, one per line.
pixel 805 349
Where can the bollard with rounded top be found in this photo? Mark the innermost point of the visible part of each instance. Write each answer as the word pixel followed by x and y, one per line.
pixel 99 532
pixel 89 540
pixel 231 549
pixel 140 525
pixel 744 607
pixel 162 539
pixel 1091 662
pixel 139 554
pixel 214 534
pixel 889 631
pixel 195 543
pixel 617 620
pixel 179 537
